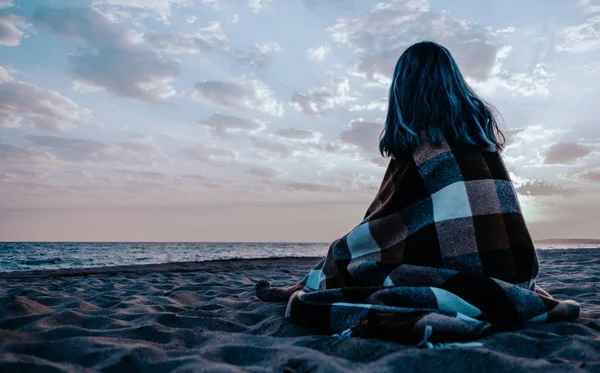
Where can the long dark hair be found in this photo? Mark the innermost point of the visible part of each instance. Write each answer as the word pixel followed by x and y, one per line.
pixel 430 100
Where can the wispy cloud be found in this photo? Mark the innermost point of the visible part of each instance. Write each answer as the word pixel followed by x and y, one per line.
pixel 583 37
pixel 12 27
pixel 112 59
pixel 241 93
pixel 202 153
pixel 321 100
pixel 566 153
pixel 222 125
pixel 161 8
pixel 203 40
pixel 258 5
pixel 24 103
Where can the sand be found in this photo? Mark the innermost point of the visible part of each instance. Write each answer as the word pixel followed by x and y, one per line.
pixel 203 317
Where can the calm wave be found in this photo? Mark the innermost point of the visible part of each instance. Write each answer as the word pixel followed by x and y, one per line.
pixel 27 256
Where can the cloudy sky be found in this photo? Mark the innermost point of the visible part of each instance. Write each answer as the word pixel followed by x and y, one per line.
pixel 257 120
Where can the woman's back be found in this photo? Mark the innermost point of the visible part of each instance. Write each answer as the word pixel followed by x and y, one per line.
pixel 443 249
pixel 453 207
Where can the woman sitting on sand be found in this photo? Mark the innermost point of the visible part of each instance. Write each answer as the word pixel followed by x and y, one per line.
pixel 443 252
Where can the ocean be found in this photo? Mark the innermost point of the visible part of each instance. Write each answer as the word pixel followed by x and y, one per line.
pixel 29 256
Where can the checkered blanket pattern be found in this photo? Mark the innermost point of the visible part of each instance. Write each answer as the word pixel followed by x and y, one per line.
pixel 443 248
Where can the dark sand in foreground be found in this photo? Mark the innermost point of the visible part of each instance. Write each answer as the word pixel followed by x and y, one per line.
pixel 203 317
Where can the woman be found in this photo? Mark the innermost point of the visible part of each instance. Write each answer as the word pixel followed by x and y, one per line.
pixel 443 251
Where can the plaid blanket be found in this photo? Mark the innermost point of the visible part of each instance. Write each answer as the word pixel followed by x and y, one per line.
pixel 443 253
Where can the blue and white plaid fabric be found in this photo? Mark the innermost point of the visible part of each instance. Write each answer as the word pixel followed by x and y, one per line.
pixel 443 245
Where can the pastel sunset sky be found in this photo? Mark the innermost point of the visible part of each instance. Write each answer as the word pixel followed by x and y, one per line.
pixel 258 120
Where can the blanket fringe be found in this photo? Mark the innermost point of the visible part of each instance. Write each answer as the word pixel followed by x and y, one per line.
pixel 426 344
pixel 344 335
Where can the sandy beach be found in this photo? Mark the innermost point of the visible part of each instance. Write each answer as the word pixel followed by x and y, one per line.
pixel 204 317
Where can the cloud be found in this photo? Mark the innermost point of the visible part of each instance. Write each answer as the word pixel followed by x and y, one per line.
pixel 85 150
pixel 6 177
pixel 377 35
pixel 565 153
pixel 531 134
pixel 534 187
pixel 19 154
pixel 475 55
pixel 145 152
pixel 195 181
pixel 258 5
pixel 263 172
pixel 318 53
pixel 242 93
pixel 319 101
pixel 201 41
pixel 363 134
pixel 329 147
pixel 295 134
pixel 215 4
pixel 581 38
pixel 381 35
pixel 380 104
pixel 205 154
pixel 6 4
pixel 222 125
pixel 260 55
pixel 113 59
pixel 367 32
pixel 21 185
pixel 141 174
pixel 297 186
pixel 75 149
pixel 538 146
pixel 511 134
pixel 11 28
pixel 343 4
pixel 9 121
pixel 380 161
pixel 533 83
pixel 539 188
pixel 585 36
pixel 162 8
pixel 263 50
pixel 592 176
pixel 42 108
pixel 83 25
pixel 29 174
pixel 270 146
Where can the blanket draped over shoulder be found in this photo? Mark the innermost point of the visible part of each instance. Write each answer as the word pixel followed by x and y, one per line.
pixel 443 250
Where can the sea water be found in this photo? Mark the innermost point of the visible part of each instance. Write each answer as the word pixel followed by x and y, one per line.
pixel 27 256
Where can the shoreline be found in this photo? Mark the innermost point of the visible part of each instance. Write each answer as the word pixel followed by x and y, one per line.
pixel 218 265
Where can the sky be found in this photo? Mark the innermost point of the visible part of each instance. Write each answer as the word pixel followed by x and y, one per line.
pixel 258 120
